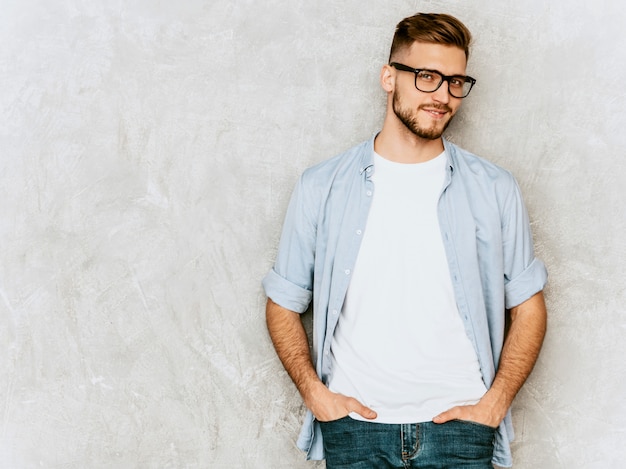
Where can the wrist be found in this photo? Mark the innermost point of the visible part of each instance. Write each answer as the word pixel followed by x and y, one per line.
pixel 497 403
pixel 313 391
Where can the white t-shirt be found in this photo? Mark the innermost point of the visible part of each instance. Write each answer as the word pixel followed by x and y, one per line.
pixel 400 346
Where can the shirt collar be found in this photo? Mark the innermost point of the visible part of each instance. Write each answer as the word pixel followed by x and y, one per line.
pixel 367 158
pixel 450 155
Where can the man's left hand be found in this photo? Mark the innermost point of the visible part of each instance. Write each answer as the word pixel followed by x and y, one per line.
pixel 472 413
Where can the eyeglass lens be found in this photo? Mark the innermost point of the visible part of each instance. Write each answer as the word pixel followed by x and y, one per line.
pixel 428 82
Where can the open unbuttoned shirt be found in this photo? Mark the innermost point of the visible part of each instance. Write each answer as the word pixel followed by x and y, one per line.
pixel 486 235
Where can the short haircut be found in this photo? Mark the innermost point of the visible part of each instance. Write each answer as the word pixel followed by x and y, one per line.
pixel 430 28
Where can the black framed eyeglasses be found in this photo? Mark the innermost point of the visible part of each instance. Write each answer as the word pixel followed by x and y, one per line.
pixel 429 81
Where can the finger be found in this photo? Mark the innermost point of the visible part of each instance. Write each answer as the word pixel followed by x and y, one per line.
pixel 451 414
pixel 362 410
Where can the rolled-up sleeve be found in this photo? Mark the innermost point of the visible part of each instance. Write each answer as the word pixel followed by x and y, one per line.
pixel 524 274
pixel 526 284
pixel 290 282
pixel 285 293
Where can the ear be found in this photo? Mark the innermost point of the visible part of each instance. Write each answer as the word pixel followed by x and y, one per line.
pixel 388 78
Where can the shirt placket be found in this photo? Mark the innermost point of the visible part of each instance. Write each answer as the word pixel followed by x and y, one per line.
pixel 341 278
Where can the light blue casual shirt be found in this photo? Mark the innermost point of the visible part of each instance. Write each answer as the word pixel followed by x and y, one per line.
pixel 488 243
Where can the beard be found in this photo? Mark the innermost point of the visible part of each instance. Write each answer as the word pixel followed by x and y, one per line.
pixel 409 119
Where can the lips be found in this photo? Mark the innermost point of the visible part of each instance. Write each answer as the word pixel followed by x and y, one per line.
pixel 436 112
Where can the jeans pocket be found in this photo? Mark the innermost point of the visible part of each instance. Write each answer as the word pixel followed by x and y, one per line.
pixel 332 422
pixel 472 440
pixel 479 425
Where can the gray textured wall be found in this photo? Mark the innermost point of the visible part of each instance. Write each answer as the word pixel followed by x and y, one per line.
pixel 147 153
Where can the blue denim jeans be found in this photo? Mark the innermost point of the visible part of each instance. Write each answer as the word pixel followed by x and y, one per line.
pixel 354 444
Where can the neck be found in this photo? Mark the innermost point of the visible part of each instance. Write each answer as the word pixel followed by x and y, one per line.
pixel 397 143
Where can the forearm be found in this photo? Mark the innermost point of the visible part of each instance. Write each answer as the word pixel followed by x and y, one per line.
pixel 519 354
pixel 292 347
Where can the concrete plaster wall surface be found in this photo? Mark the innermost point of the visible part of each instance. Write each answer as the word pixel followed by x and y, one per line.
pixel 147 153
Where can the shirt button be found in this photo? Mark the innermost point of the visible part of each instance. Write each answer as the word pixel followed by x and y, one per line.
pixel 358 232
pixel 334 311
pixel 347 271
pixel 369 169
pixel 369 193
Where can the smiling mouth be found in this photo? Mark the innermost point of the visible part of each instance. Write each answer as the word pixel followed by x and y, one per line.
pixel 437 113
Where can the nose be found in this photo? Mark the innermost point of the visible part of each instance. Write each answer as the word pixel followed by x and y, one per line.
pixel 442 94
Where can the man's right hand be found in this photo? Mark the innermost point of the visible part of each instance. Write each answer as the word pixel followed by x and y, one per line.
pixel 290 340
pixel 328 406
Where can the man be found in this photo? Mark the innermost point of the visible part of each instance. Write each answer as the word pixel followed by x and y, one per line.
pixel 412 251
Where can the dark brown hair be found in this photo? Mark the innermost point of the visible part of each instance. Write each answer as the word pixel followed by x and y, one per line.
pixel 431 28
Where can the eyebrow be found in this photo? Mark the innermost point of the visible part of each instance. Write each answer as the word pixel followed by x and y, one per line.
pixel 460 75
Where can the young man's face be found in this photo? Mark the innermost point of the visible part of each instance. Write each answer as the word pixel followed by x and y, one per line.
pixel 427 114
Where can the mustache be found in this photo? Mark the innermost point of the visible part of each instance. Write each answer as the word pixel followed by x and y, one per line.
pixel 438 107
